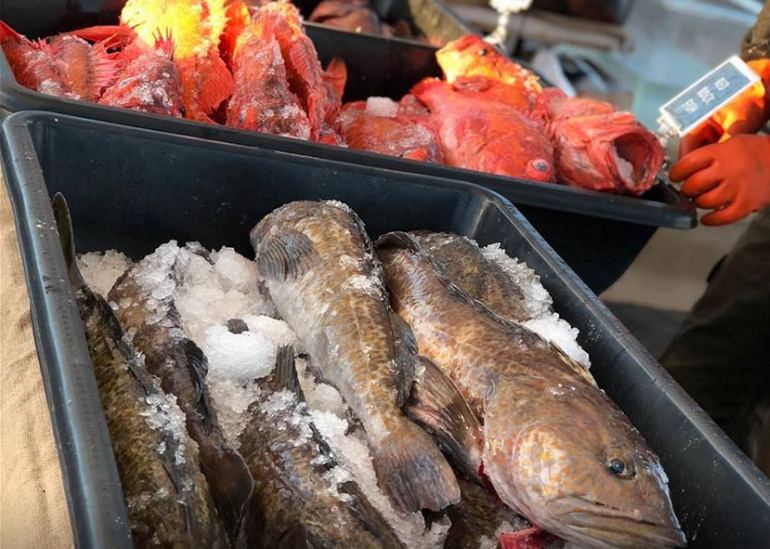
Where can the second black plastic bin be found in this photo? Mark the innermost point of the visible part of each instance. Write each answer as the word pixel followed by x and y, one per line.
pixel 598 234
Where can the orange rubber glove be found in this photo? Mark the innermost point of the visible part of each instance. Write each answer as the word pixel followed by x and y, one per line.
pixel 747 113
pixel 732 178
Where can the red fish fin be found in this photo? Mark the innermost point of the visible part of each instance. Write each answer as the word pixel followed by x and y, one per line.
pixel 104 66
pixel 6 32
pixel 336 76
pixel 164 43
pixel 206 83
pixel 238 18
pixel 528 538
pixel 216 82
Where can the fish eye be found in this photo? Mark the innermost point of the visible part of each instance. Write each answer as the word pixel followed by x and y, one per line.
pixel 483 52
pixel 619 468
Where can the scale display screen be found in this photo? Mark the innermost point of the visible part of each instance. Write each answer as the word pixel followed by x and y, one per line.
pixel 698 102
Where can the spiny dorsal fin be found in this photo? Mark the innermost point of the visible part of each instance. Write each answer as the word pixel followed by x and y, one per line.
pixel 61 213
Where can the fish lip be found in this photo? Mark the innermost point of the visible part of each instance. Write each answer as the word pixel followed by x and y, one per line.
pixel 599 522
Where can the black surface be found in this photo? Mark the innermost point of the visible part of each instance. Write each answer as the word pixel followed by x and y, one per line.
pixel 133 189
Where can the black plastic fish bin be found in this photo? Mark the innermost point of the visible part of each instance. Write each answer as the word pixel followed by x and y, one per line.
pixel 598 234
pixel 132 189
pixel 428 20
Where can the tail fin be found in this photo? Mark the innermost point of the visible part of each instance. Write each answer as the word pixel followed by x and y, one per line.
pixel 284 376
pixel 413 472
pixel 61 213
pixel 230 484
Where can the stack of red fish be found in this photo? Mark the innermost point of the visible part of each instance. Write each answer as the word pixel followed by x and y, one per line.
pixel 256 69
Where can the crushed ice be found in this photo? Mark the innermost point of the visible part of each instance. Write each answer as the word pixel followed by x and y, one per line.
pixel 543 320
pixel 101 270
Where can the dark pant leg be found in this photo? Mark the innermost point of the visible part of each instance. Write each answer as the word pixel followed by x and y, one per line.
pixel 721 356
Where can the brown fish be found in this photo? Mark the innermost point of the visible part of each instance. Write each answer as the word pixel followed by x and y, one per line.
pixel 466 267
pixel 302 497
pixel 555 448
pixel 320 271
pixel 146 309
pixel 168 501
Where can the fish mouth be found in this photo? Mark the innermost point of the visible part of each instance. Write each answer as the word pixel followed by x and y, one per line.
pixel 602 526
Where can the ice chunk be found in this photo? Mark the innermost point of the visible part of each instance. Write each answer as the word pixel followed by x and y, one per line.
pixel 163 413
pixel 277 331
pixel 215 288
pixel 381 106
pixel 236 361
pixel 238 357
pixel 101 270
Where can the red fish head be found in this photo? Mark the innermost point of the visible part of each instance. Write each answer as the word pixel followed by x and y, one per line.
pixel 598 148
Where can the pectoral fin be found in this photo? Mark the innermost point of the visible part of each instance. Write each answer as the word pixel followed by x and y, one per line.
pixel 437 405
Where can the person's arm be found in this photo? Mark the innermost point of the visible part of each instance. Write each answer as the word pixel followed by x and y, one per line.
pixel 756 43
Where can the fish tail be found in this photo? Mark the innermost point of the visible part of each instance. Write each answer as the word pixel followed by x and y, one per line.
pixel 206 83
pixel 413 472
pixel 230 484
pixel 63 218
